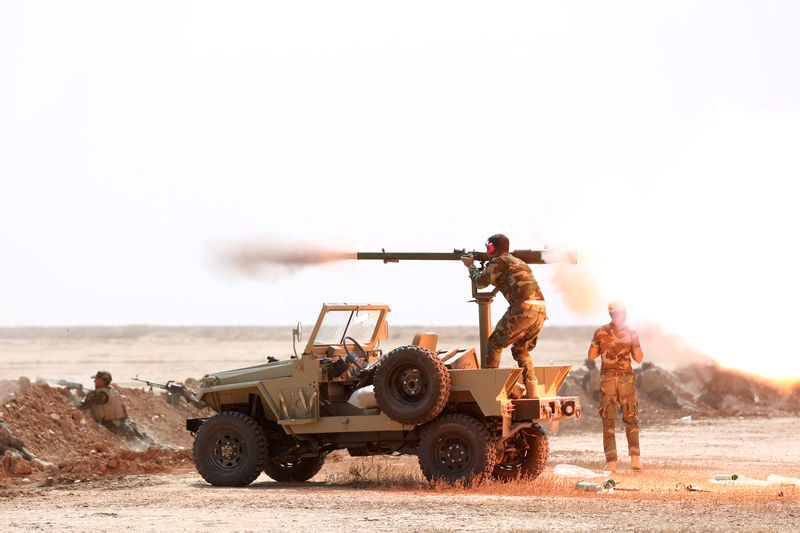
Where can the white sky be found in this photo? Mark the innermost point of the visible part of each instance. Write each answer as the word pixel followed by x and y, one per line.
pixel 138 139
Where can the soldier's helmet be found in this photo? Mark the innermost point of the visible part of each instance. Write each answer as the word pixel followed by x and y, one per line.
pixel 104 375
pixel 498 242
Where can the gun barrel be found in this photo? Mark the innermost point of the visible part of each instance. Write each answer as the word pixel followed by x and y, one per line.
pixel 152 383
pixel 394 257
pixel 532 257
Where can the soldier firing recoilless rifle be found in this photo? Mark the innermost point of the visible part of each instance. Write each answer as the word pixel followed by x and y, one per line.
pixel 483 299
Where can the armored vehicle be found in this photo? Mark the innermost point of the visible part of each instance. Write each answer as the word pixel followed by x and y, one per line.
pixel 343 392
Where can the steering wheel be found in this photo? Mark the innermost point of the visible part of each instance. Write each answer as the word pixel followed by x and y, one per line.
pixel 356 354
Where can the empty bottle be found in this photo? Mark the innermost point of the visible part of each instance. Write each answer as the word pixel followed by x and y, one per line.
pixel 726 477
pixel 588 487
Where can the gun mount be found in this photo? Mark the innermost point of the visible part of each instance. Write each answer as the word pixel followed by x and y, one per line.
pixel 483 299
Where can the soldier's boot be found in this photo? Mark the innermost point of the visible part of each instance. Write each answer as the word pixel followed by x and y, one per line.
pixel 636 464
pixel 611 466
pixel 530 389
pixel 45 466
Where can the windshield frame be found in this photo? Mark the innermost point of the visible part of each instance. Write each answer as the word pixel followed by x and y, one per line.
pixel 371 338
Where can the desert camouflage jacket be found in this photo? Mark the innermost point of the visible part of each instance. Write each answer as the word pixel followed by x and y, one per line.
pixel 615 346
pixel 105 404
pixel 511 275
pixel 94 397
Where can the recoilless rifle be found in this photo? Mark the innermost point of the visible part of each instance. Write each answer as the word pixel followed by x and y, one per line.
pixel 483 299
pixel 175 391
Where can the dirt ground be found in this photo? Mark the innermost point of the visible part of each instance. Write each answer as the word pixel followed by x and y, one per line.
pixel 727 423
pixel 388 494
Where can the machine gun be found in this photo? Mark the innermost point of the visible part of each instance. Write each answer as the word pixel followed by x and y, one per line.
pixel 483 299
pixel 175 391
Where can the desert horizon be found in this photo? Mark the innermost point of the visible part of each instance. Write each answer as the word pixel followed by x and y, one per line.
pixel 162 353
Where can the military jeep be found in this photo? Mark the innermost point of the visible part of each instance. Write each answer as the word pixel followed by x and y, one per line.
pixel 343 392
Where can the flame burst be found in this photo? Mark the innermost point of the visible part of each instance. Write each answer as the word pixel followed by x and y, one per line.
pixel 705 248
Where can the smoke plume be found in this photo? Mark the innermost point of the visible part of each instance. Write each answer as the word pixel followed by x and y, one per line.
pixel 702 247
pixel 270 258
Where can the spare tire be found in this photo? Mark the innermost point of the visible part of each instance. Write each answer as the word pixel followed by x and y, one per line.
pixel 411 385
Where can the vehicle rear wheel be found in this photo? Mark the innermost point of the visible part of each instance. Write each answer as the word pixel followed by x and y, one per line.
pixel 456 448
pixel 411 385
pixel 229 449
pixel 294 468
pixel 525 457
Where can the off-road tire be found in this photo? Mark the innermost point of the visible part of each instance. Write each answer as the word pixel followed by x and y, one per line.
pixel 411 385
pixel 529 463
pixel 299 469
pixel 455 448
pixel 230 449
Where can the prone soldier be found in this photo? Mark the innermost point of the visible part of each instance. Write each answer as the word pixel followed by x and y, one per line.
pixel 521 324
pixel 107 408
pixel 616 344
pixel 14 445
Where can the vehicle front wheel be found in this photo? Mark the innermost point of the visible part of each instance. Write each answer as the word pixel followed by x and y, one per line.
pixel 229 449
pixel 525 455
pixel 454 448
pixel 294 469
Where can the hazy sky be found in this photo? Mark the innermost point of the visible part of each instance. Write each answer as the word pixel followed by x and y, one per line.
pixel 139 139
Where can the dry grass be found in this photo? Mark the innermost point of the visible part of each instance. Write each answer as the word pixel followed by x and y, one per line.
pixel 657 482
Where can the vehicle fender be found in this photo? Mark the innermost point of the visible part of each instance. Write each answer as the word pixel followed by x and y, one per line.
pixel 486 386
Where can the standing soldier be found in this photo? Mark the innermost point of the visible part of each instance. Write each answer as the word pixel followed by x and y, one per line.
pixel 616 343
pixel 107 408
pixel 523 321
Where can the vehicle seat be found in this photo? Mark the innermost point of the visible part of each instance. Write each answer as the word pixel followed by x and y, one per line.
pixel 466 359
pixel 426 340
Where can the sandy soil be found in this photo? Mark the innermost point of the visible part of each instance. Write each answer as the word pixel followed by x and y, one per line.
pixel 102 484
pixel 387 494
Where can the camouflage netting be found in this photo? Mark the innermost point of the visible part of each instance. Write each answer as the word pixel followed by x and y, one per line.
pixel 54 430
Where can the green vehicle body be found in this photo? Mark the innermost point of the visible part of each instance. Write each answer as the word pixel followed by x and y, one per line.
pixel 299 407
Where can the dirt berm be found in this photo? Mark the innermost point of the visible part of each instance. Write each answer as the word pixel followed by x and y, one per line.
pixel 54 430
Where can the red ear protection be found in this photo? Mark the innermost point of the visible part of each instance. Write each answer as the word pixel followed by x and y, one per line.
pixel 490 247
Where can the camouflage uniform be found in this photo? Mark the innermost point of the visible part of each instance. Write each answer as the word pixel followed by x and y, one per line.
pixel 617 386
pixel 107 408
pixel 522 322
pixel 8 442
